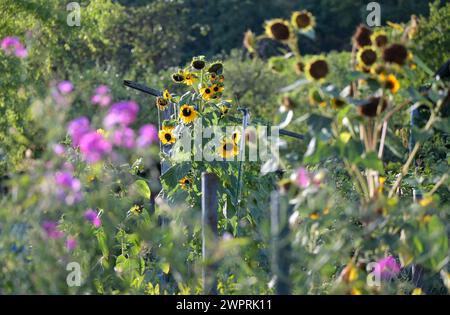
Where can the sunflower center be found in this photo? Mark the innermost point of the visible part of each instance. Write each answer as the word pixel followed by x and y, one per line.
pixel 216 89
pixel 178 78
pixel 168 136
pixel 186 112
pixel 381 40
pixel 280 31
pixel 303 20
pixel 228 147
pixel 319 69
pixel 369 57
pixel 208 91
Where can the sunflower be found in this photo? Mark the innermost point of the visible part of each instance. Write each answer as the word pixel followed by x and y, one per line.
pixel 185 182
pixel 362 36
pixel 224 110
pixel 379 39
pixel 303 20
pixel 213 77
pixel 337 103
pixel 370 108
pixel 178 77
pixel 166 95
pixel 395 53
pixel 390 82
pixel 161 103
pixel 367 56
pixel 198 64
pixel 207 93
pixel 187 113
pixel 228 149
pixel 136 209
pixel 317 69
pixel 236 136
pixel 278 29
pixel 216 67
pixel 190 78
pixel 316 98
pixel 166 135
pixel 217 88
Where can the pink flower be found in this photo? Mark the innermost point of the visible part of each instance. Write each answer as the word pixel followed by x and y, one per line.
pixel 101 96
pixel 303 178
pixel 65 87
pixel 12 45
pixel 77 129
pixel 124 138
pixel 94 146
pixel 122 113
pixel 71 243
pixel 148 134
pixel 93 217
pixel 51 230
pixel 387 268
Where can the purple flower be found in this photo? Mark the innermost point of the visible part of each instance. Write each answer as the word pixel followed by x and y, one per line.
pixel 12 45
pixel 94 146
pixel 71 243
pixel 65 87
pixel 77 129
pixel 387 268
pixel 148 134
pixel 68 188
pixel 303 178
pixel 122 113
pixel 51 230
pixel 59 149
pixel 124 138
pixel 93 217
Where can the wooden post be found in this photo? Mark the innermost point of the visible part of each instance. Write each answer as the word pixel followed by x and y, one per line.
pixel 281 246
pixel 209 231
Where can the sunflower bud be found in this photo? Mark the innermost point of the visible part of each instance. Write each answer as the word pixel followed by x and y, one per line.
pixel 249 41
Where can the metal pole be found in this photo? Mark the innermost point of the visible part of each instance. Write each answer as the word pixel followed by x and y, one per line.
pixel 209 231
pixel 281 246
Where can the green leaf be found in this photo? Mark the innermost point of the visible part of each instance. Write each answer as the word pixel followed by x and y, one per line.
pixel 142 188
pixel 371 161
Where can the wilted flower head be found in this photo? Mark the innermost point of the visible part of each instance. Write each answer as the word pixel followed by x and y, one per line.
pixel 148 134
pixel 78 128
pixel 362 37
pixel 122 113
pixel 92 216
pixel 12 45
pixel 395 53
pixel 51 230
pixel 65 87
pixel 94 146
pixel 387 268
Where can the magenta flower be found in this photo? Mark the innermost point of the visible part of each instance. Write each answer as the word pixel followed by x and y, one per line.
pixel 93 217
pixel 148 134
pixel 94 146
pixel 122 113
pixel 124 138
pixel 101 96
pixel 51 230
pixel 71 243
pixel 303 178
pixel 12 45
pixel 77 129
pixel 387 268
pixel 65 87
